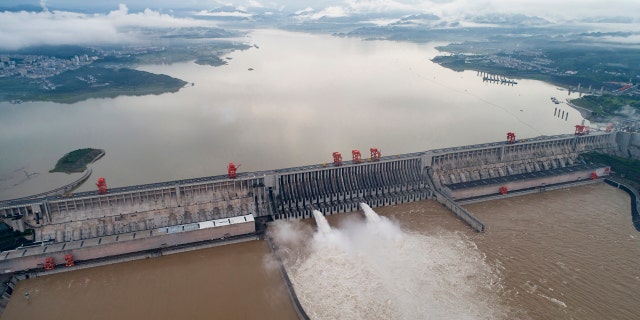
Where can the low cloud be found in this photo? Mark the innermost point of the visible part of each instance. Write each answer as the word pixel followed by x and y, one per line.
pixel 461 10
pixel 24 29
pixel 225 14
pixel 330 12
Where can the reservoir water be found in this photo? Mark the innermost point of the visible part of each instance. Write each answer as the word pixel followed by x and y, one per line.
pixel 306 97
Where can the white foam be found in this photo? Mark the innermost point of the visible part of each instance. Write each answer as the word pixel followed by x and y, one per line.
pixel 377 271
pixel 554 300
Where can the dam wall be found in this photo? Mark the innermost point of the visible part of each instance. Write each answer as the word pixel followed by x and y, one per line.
pixel 338 189
pixel 106 246
pixel 628 145
pixel 446 175
pixel 480 170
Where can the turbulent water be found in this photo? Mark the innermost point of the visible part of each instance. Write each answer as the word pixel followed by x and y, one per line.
pixel 372 269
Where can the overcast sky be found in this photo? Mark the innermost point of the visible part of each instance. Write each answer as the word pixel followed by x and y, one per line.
pixel 87 21
pixel 547 8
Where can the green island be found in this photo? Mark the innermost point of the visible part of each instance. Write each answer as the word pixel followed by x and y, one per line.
pixel 77 160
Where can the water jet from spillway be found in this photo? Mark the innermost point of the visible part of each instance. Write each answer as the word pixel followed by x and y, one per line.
pixel 371 215
pixel 375 270
pixel 321 221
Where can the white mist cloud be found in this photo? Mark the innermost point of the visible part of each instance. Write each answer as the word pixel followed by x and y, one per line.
pixel 235 14
pixel 23 29
pixel 367 6
pixel 330 12
pixel 305 10
pixel 43 4
pixel 460 10
pixel 255 4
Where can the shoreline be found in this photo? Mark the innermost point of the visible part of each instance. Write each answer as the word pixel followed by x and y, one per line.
pixel 79 165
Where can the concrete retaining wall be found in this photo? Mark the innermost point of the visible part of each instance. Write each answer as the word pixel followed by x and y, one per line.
pixel 523 184
pixel 115 245
pixel 635 215
pixel 461 212
pixel 292 292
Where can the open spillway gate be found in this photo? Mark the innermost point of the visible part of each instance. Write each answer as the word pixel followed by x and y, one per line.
pixel 340 189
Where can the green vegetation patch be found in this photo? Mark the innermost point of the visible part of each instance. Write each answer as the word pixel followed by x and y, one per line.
pixel 623 167
pixel 10 239
pixel 607 104
pixel 77 160
pixel 563 63
pixel 211 61
pixel 89 82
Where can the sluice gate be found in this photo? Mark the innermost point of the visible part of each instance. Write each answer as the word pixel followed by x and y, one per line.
pixel 340 189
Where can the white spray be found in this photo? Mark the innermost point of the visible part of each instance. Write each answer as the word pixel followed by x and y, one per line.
pixel 374 270
pixel 371 215
pixel 321 221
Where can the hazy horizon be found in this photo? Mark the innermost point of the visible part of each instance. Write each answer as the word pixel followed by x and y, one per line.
pixel 114 22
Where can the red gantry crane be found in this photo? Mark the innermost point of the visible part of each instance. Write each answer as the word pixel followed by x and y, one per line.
pixel 231 170
pixel 357 156
pixel 49 264
pixel 102 186
pixel 581 130
pixel 511 137
pixel 68 259
pixel 337 159
pixel 375 154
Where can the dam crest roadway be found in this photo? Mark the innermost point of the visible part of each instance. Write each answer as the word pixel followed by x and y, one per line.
pixel 138 218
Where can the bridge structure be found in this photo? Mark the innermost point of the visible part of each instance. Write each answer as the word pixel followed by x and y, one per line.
pixel 447 175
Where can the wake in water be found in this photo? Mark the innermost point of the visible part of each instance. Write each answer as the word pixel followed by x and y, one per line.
pixel 374 270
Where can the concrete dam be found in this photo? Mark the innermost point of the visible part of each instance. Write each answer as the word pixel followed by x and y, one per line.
pixel 130 219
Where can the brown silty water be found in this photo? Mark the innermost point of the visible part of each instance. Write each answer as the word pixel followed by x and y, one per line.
pixel 566 254
pixel 226 282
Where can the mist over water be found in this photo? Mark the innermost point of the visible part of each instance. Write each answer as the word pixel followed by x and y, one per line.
pixel 375 270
